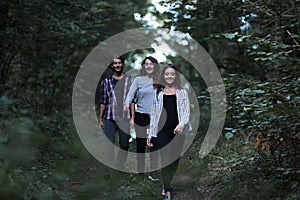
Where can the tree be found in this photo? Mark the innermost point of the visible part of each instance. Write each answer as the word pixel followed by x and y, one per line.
pixel 43 43
pixel 239 33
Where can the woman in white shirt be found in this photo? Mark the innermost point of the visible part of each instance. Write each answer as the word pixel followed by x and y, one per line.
pixel 169 117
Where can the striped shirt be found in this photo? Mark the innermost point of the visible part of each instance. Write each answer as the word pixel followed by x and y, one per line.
pixel 108 97
pixel 183 110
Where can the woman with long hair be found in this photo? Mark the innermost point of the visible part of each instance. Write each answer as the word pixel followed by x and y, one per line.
pixel 142 89
pixel 169 116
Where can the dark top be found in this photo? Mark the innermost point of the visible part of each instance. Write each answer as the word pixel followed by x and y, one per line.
pixel 119 91
pixel 169 113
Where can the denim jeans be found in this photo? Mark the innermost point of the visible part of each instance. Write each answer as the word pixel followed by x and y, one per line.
pixel 110 129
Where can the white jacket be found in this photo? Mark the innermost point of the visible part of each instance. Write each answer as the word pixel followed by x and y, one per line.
pixel 183 110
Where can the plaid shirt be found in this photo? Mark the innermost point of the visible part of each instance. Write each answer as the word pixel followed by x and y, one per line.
pixel 108 97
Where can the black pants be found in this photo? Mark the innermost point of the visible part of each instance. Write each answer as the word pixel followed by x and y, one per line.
pixel 142 122
pixel 170 148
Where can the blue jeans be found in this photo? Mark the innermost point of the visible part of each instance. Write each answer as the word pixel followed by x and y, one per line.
pixel 110 129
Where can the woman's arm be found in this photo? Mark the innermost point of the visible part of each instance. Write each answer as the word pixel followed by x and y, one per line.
pixel 183 107
pixel 132 112
pixel 132 90
pixel 155 112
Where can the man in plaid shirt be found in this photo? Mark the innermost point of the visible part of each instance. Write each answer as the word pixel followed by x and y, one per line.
pixel 113 118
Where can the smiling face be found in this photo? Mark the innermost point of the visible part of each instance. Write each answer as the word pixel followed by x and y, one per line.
pixel 149 66
pixel 169 76
pixel 117 65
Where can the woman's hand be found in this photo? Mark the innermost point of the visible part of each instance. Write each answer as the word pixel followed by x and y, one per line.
pixel 178 129
pixel 149 143
pixel 131 122
pixel 126 108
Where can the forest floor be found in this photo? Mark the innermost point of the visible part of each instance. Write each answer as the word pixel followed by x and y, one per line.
pixel 97 181
pixel 213 177
pixel 230 175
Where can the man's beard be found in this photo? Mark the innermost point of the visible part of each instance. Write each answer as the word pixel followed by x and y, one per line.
pixel 119 72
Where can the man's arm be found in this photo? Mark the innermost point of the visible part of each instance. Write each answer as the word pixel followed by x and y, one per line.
pixel 102 102
pixel 102 110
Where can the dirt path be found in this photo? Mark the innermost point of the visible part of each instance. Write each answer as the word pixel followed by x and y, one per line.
pixel 188 185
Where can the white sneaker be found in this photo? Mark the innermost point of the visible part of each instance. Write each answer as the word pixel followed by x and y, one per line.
pixel 163 192
pixel 153 179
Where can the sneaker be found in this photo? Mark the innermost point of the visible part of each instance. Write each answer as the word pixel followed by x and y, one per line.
pixel 163 192
pixel 152 178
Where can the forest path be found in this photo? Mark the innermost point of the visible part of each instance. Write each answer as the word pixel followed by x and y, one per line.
pixel 99 182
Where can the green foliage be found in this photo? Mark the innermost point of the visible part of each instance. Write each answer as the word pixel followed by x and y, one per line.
pixel 36 161
pixel 267 111
pixel 43 44
pixel 242 36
